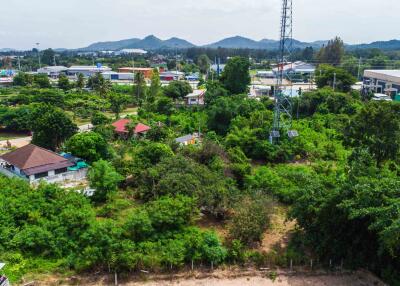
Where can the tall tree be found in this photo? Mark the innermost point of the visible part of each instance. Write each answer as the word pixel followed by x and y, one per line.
pixel 63 82
pixel 104 179
pixel 80 82
pixel 332 53
pixel 204 63
pixel 337 78
pixel 51 127
pixel 139 89
pixel 177 90
pixel 118 102
pixel 236 75
pixel 155 86
pixel 377 128
pixel 48 57
pixel 90 146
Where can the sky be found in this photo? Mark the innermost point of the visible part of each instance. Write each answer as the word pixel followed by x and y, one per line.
pixel 78 23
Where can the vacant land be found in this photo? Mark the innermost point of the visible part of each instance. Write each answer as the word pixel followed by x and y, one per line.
pixel 233 278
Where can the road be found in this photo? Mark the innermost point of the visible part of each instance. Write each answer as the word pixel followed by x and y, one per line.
pixel 21 142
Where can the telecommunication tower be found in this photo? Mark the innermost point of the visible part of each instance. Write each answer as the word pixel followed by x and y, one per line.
pixel 283 98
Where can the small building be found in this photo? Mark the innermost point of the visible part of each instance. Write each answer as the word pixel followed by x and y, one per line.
pixel 147 72
pixel 87 71
pixel 298 68
pixel 171 75
pixel 265 74
pixel 122 128
pixel 118 76
pixel 197 97
pixel 190 139
pixel 382 81
pixel 33 163
pixel 193 77
pixel 53 71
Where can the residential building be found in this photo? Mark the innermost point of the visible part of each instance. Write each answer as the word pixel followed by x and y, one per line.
pixel 147 72
pixel 87 71
pixel 382 81
pixel 3 279
pixel 33 163
pixel 53 71
pixel 122 128
pixel 196 97
pixel 189 139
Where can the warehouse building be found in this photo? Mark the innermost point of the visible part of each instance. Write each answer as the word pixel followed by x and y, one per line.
pixel 147 72
pixel 121 76
pixel 53 71
pixel 87 71
pixel 382 81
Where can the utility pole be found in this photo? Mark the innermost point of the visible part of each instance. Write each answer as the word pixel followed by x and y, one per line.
pixel 54 60
pixel 19 63
pixel 359 68
pixel 37 45
pixel 334 81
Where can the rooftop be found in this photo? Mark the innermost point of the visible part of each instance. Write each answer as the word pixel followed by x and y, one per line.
pixel 120 125
pixel 33 159
pixel 394 73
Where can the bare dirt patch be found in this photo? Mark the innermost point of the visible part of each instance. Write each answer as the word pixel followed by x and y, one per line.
pixel 279 233
pixel 232 278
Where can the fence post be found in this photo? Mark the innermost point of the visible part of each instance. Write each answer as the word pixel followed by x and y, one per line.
pixel 212 265
pixel 116 278
pixel 311 264
pixel 330 263
pixel 291 264
pixel 192 265
pixel 341 265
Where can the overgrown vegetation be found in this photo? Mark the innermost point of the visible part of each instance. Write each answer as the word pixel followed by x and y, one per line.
pixel 339 178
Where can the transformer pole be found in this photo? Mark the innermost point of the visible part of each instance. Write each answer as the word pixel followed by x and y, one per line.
pixel 283 101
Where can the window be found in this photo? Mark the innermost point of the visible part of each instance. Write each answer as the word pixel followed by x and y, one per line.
pixel 41 175
pixel 60 171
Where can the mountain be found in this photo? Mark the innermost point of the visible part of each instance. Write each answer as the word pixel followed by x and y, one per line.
pixel 236 42
pixel 149 43
pixel 153 43
pixel 111 45
pixel 239 42
pixel 382 45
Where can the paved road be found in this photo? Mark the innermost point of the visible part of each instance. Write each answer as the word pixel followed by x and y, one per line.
pixel 20 142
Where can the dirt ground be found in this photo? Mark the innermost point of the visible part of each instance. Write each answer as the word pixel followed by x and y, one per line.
pixel 224 278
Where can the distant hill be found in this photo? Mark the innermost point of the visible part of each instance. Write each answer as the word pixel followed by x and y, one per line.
pixel 149 43
pixel 239 42
pixel 382 45
pixel 153 43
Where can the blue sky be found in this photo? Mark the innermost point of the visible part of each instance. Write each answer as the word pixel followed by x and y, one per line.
pixel 77 23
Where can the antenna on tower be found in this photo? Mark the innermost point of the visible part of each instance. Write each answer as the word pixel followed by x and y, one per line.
pixel 283 101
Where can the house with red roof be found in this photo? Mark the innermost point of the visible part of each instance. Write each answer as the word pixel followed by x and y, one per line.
pixel 122 128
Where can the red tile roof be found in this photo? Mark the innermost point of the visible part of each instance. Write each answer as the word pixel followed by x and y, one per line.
pixel 120 125
pixel 141 128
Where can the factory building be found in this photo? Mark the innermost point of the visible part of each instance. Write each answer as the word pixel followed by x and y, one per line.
pixel 382 82
pixel 87 71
